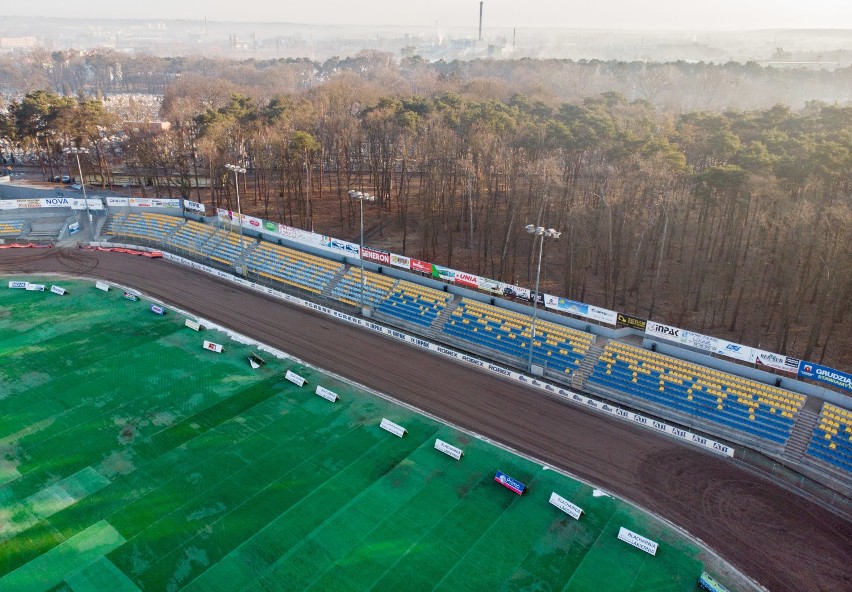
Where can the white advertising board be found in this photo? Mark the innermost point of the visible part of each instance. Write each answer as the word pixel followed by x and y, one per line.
pixel 393 428
pixel 214 347
pixel 194 206
pixel 448 449
pixel 192 325
pixel 294 378
pixel 566 506
pixel 18 285
pixel 102 286
pixel 58 290
pixel 638 541
pixel 326 394
pixel 35 287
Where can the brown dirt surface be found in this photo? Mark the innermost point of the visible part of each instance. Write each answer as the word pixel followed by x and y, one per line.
pixel 780 539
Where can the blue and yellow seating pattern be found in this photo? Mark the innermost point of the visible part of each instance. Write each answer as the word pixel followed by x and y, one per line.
pixel 292 267
pixel 11 227
pixel 832 438
pixel 737 403
pixel 508 333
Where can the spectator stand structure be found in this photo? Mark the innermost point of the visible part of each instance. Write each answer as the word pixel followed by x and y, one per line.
pixel 831 443
pixel 742 410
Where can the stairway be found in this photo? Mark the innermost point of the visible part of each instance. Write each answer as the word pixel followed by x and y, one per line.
pixel 800 436
pixel 332 283
pixel 437 325
pixel 578 380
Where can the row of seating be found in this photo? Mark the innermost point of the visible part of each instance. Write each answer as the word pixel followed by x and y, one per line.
pixel 11 227
pixel 292 267
pixel 227 247
pixel 744 405
pixel 191 237
pixel 376 287
pixel 508 334
pixel 832 438
pixel 148 226
pixel 415 304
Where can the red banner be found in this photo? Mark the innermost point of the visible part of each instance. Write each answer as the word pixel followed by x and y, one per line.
pixel 466 279
pixel 421 266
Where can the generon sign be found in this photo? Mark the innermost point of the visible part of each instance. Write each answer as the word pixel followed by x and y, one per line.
pixel 376 256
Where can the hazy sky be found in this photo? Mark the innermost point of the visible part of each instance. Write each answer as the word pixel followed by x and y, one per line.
pixel 620 14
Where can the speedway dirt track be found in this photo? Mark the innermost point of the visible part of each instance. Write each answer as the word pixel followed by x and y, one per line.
pixel 783 541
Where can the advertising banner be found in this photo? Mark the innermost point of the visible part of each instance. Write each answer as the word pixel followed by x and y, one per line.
pixel 400 261
pixel 35 287
pixel 270 226
pixel 448 449
pixel 699 341
pixel 92 203
pixel 638 541
pixel 18 285
pixel 610 317
pixel 566 506
pixel 825 374
pixel 565 305
pixel 117 202
pixel 467 279
pixel 214 347
pixel 777 361
pixel 381 257
pixel 8 204
pixel 580 309
pixel 194 206
pixel 158 310
pixel 58 290
pixel 625 320
pixel 73 228
pixel 102 286
pixel 393 428
pixel 342 245
pixel 509 483
pixel 421 266
pixel 443 273
pixel 326 394
pixel 294 378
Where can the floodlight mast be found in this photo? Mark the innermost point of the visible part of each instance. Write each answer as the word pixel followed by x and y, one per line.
pixel 539 232
pixel 361 197
pixel 237 170
pixel 77 152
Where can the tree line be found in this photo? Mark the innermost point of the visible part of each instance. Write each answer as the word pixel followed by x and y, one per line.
pixel 734 223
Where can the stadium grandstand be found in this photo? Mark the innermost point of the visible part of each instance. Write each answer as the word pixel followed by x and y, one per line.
pixel 685 390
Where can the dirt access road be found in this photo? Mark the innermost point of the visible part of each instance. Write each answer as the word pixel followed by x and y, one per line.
pixel 783 541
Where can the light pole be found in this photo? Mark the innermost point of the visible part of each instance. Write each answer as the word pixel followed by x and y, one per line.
pixel 237 170
pixel 361 198
pixel 542 232
pixel 77 152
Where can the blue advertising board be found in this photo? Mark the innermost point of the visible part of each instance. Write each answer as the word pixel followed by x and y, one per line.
pixel 509 483
pixel 825 374
pixel 157 309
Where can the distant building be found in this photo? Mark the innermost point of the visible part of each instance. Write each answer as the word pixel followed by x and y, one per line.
pixel 17 42
pixel 147 127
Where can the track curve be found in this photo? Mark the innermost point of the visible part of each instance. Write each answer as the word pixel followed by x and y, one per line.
pixel 783 541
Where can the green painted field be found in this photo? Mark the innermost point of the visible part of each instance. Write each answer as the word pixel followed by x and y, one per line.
pixel 133 459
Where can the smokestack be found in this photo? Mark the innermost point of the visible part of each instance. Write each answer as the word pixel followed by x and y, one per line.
pixel 480 19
